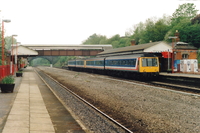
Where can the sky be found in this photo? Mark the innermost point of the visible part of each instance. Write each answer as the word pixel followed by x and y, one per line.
pixel 73 21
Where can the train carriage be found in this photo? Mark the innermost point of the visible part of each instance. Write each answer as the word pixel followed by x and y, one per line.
pixel 142 65
pixel 95 63
pixel 122 63
pixel 135 65
pixel 71 64
pixel 80 63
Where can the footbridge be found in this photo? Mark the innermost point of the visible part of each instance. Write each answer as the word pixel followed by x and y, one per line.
pixel 68 49
pixel 48 51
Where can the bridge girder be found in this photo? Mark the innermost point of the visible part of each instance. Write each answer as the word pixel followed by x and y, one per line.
pixel 68 52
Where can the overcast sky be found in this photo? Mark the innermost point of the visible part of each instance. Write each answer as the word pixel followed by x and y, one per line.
pixel 73 21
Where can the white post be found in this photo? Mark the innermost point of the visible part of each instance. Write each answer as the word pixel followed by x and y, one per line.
pixel 168 59
pixel 11 67
pixel 51 65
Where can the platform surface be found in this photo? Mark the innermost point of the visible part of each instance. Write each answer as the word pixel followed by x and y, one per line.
pixel 176 74
pixel 33 108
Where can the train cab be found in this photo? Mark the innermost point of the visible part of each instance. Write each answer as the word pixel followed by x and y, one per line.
pixel 149 66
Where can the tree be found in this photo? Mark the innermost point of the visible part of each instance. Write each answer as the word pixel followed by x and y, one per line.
pixel 95 39
pixel 152 30
pixel 63 60
pixel 139 30
pixel 193 35
pixel 9 40
pixel 149 30
pixel 184 11
pixel 196 19
pixel 160 29
pixel 113 38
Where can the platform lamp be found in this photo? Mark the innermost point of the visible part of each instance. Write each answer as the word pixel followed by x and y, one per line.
pixel 173 38
pixel 3 45
pixel 16 55
pixel 12 63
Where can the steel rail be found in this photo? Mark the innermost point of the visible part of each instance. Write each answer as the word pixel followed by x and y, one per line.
pixel 86 102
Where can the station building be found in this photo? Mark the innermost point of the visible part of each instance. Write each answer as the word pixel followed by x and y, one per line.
pixel 180 56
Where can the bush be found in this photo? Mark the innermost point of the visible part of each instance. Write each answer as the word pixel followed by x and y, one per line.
pixel 8 80
pixel 20 71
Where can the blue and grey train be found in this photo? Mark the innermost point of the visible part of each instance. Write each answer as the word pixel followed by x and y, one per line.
pixel 136 66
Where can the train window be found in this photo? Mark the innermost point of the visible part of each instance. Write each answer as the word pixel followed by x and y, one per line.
pixel 129 62
pixel 149 62
pixel 118 62
pixel 79 62
pixel 126 62
pixel 90 63
pixel 123 62
pixel 99 63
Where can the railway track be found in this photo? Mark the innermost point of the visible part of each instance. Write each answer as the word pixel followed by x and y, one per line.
pixel 186 84
pixel 97 120
pixel 181 84
pixel 161 85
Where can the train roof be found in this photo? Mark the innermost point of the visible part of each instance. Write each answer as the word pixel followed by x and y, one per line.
pixel 95 58
pixel 132 55
pixel 129 49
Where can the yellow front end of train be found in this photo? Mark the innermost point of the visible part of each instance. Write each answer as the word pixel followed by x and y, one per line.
pixel 149 65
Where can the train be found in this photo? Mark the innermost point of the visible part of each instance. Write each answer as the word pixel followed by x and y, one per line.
pixel 136 66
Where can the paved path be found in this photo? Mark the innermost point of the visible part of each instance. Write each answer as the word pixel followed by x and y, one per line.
pixel 34 109
pixel 28 113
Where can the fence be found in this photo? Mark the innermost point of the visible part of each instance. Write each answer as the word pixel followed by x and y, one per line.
pixel 6 70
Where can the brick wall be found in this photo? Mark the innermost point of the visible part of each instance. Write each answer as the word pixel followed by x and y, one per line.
pixel 192 55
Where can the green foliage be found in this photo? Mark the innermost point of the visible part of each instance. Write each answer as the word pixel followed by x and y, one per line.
pixel 8 80
pixel 184 11
pixel 196 19
pixel 95 39
pixel 63 60
pixel 20 71
pixel 198 56
pixel 138 33
pixel 40 61
pixel 115 40
pixel 152 30
pixel 9 42
pixel 160 30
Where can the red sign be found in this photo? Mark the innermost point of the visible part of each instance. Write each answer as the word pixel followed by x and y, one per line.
pixel 166 54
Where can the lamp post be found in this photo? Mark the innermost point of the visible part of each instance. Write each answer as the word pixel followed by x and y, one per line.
pixel 174 37
pixel 12 55
pixel 7 21
pixel 16 55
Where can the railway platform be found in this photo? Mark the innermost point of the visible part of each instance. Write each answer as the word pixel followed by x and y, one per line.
pixel 33 108
pixel 186 75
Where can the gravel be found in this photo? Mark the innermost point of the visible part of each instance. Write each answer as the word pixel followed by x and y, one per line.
pixel 142 108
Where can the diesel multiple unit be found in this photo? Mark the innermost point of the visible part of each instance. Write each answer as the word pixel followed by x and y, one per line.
pixel 134 65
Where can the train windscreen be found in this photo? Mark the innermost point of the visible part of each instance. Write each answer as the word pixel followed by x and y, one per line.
pixel 146 62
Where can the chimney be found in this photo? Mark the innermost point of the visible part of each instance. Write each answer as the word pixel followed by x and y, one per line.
pixel 177 35
pixel 132 42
